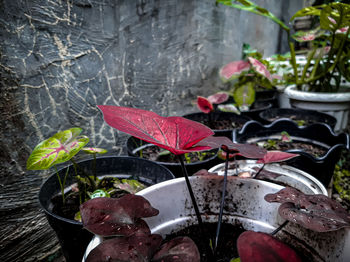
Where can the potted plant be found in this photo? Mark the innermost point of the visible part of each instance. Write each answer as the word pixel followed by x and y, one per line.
pixel 69 186
pixel 252 83
pixel 245 211
pixel 318 146
pixel 164 132
pixel 319 83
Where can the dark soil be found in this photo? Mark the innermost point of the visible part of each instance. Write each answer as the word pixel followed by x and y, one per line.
pixel 315 150
pixel 301 121
pixel 153 153
pixel 226 247
pixel 224 124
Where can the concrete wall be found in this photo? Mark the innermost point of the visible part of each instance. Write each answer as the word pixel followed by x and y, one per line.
pixel 59 59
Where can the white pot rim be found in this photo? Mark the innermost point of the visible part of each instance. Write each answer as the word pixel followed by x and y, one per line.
pixel 293 93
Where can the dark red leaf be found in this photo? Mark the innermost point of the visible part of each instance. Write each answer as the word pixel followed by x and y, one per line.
pixel 135 248
pixel 260 247
pixel 276 156
pixel 116 216
pixel 204 105
pixel 178 249
pixel 246 150
pixel 176 134
pixel 316 212
pixel 218 98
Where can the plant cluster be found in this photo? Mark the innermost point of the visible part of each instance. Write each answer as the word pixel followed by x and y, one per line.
pixel 63 147
pixel 119 217
pixel 328 61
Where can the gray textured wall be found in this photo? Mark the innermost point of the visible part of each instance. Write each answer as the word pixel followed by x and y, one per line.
pixel 59 59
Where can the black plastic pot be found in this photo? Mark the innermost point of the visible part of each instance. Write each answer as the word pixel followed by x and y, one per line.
pixel 267 95
pixel 134 145
pixel 310 116
pixel 319 134
pixel 72 237
pixel 238 120
pixel 256 109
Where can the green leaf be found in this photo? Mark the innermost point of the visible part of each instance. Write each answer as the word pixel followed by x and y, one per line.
pixel 99 193
pixel 308 11
pixel 94 150
pixel 131 185
pixel 244 95
pixel 249 6
pixel 335 16
pixel 57 149
pixel 235 259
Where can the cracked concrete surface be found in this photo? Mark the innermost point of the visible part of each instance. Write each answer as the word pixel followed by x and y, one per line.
pixel 59 59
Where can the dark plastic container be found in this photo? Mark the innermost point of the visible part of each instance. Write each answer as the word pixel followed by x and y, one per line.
pixel 310 116
pixel 320 134
pixel 133 145
pixel 71 235
pixel 238 120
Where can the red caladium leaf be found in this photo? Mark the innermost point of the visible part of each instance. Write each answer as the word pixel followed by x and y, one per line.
pixel 233 70
pixel 316 212
pixel 245 150
pixel 204 105
pixel 178 249
pixel 218 98
pixel 116 216
pixel 261 247
pixel 136 248
pixel 176 134
pixel 276 156
pixel 260 68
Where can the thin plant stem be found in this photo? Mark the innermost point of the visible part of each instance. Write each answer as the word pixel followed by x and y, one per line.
pixel 261 168
pixel 194 202
pixel 94 167
pixel 279 228
pixel 61 185
pixel 221 204
pixel 76 167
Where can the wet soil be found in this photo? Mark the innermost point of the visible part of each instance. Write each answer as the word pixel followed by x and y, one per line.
pixel 315 150
pixel 227 242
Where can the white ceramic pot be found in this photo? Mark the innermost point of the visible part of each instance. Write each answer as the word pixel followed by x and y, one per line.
pixel 283 175
pixel 335 104
pixel 244 205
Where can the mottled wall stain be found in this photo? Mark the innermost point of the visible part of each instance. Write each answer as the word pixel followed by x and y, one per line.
pixel 59 59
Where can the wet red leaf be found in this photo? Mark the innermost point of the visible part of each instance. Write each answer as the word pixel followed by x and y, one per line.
pixel 116 216
pixel 204 105
pixel 246 150
pixel 316 212
pixel 136 248
pixel 276 156
pixel 260 247
pixel 176 134
pixel 178 249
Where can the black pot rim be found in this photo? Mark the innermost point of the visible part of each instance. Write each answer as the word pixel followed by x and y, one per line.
pixel 168 163
pixel 330 120
pixel 71 221
pixel 316 127
pixel 243 118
